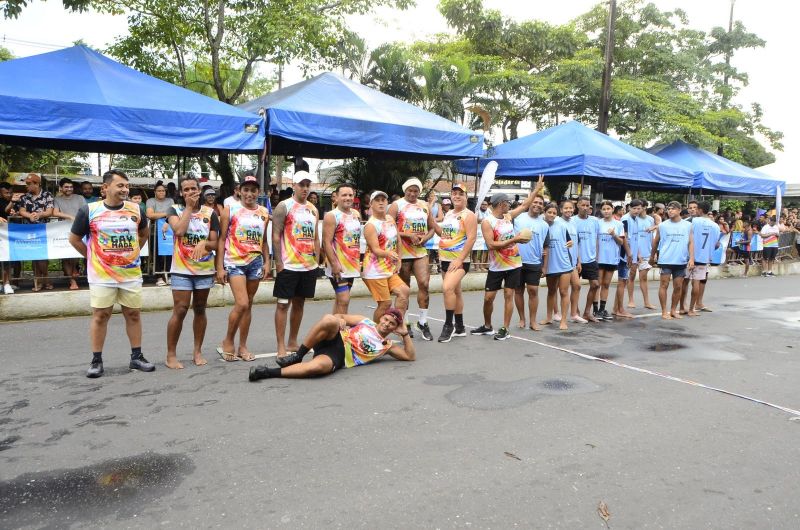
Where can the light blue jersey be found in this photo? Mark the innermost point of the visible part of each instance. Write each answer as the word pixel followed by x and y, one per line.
pixel 706 234
pixel 531 251
pixel 560 258
pixel 673 244
pixel 588 231
pixel 573 236
pixel 609 248
pixel 645 243
pixel 632 230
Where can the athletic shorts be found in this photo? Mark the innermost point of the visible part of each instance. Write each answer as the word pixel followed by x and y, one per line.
pixel 623 271
pixel 608 267
pixel 677 271
pixel 333 349
pixel 252 271
pixel 105 296
pixel 769 253
pixel 699 272
pixel 381 288
pixel 409 260
pixel 446 265
pixel 295 284
pixel 645 265
pixel 557 274
pixel 188 282
pixel 590 271
pixel 530 274
pixel 345 284
pixel 509 279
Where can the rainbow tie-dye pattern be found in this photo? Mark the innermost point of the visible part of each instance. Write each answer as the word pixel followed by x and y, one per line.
pixel 196 234
pixel 347 243
pixel 245 235
pixel 506 258
pixel 363 344
pixel 376 268
pixel 412 217
pixel 454 236
pixel 299 233
pixel 113 249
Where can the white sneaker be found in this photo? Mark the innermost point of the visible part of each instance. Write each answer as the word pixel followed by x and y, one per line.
pixel 161 282
pixel 556 317
pixel 7 289
pixel 579 319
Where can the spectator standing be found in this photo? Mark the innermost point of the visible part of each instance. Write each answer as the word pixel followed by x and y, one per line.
pixel 67 205
pixel 210 200
pixel 6 206
pixel 236 197
pixel 116 234
pixel 35 207
pixel 157 208
pixel 479 256
pixel 87 190
pixel 139 198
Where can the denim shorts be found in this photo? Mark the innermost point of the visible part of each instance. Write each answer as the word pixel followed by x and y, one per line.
pixel 252 271
pixel 623 271
pixel 187 282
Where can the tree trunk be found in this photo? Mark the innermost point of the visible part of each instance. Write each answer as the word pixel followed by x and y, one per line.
pixel 222 167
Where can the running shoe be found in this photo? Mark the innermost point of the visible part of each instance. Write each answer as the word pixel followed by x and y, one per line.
pixel 460 331
pixel 95 370
pixel 289 359
pixel 7 289
pixel 142 364
pixel 425 329
pixel 447 333
pixel 257 372
pixel 161 282
pixel 604 314
pixel 483 330
pixel 770 273
pixel 502 334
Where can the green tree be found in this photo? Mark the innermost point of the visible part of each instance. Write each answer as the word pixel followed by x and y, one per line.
pixel 13 8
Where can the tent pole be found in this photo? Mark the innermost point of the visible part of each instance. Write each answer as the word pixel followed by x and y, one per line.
pixel 477 177
pixel 268 148
pixel 580 191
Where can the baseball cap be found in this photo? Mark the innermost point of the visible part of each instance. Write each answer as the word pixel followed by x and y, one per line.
pixel 460 186
pixel 210 191
pixel 300 176
pixel 500 197
pixel 377 193
pixel 659 206
pixel 446 201
pixel 396 314
pixel 250 179
pixel 412 182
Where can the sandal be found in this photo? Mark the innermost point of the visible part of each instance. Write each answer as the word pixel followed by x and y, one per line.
pixel 248 357
pixel 226 356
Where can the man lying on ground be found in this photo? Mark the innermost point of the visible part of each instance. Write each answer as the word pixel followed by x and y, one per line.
pixel 342 341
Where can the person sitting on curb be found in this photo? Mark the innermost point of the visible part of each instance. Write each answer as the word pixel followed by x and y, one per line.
pixel 341 341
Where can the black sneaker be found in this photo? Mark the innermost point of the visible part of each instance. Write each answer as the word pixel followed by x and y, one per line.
pixel 502 334
pixel 258 372
pixel 96 370
pixel 141 364
pixel 483 330
pixel 410 329
pixel 460 331
pixel 447 333
pixel 605 315
pixel 289 359
pixel 425 329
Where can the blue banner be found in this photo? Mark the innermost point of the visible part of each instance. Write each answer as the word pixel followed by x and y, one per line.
pixel 163 236
pixel 27 242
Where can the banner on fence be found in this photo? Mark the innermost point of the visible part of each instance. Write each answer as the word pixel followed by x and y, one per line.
pixel 163 237
pixel 24 242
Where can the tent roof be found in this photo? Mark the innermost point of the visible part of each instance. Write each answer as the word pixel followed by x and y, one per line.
pixel 78 99
pixel 574 150
pixel 329 116
pixel 714 172
pixel 784 170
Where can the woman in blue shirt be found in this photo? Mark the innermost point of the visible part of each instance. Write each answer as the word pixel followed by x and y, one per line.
pixel 560 264
pixel 612 236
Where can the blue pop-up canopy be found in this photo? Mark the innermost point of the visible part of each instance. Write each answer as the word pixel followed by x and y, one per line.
pixel 80 100
pixel 329 116
pixel 574 150
pixel 714 172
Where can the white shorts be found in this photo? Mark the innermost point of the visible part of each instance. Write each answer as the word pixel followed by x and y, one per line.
pixel 698 273
pixel 105 296
pixel 645 265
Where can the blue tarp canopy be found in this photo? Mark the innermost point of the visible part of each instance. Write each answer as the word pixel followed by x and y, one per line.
pixel 717 173
pixel 574 150
pixel 329 116
pixel 79 100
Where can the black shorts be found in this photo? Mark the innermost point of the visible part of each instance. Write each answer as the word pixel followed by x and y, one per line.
pixel 409 260
pixel 295 284
pixel 558 274
pixel 332 348
pixel 446 265
pixel 676 271
pixel 531 274
pixel 769 253
pixel 344 283
pixel 608 267
pixel 508 279
pixel 590 271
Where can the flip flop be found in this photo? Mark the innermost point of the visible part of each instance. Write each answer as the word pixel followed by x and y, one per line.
pixel 226 356
pixel 706 310
pixel 249 359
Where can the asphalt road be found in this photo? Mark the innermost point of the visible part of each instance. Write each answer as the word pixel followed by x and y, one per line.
pixel 474 434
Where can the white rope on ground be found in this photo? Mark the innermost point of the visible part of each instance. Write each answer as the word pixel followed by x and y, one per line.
pixel 644 370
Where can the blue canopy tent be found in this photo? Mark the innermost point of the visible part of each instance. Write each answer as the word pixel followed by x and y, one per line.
pixel 77 99
pixel 574 150
pixel 329 116
pixel 717 173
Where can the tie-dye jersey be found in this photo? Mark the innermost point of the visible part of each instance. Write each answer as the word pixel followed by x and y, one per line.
pixel 245 236
pixel 196 234
pixel 113 249
pixel 297 239
pixel 376 268
pixel 347 244
pixel 454 236
pixel 507 258
pixel 412 217
pixel 363 343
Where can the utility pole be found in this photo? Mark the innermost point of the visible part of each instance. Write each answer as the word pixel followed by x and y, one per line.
pixel 605 96
pixel 279 159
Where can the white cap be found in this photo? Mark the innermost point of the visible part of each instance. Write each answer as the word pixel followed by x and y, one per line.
pixel 412 182
pixel 300 176
pixel 377 193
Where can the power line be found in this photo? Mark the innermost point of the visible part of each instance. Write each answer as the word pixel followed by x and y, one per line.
pixel 35 44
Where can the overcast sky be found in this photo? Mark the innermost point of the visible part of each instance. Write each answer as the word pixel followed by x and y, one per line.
pixel 44 26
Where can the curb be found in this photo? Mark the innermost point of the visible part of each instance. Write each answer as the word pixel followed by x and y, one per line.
pixel 43 305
